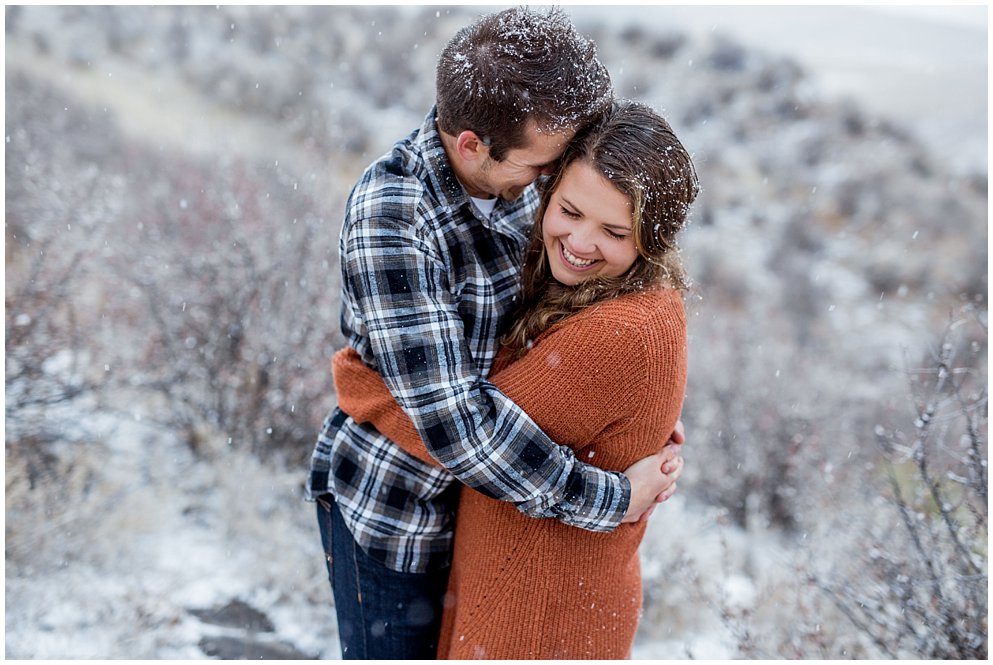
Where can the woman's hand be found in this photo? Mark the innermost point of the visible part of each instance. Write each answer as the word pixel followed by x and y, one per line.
pixel 653 480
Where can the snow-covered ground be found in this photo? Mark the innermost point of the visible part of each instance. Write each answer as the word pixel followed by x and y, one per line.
pixel 155 534
pixel 159 535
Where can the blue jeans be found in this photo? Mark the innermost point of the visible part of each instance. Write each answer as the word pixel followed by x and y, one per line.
pixel 382 614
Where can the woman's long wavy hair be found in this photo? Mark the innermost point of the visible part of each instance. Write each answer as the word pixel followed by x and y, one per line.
pixel 636 150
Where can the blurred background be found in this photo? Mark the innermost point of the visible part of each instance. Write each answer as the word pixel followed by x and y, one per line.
pixel 175 180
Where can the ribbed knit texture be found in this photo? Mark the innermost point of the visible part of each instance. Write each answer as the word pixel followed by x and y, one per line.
pixel 609 382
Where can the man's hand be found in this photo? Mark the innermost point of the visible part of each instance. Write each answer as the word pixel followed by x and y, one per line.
pixel 653 480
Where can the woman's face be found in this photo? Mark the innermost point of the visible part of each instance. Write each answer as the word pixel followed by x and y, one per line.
pixel 587 227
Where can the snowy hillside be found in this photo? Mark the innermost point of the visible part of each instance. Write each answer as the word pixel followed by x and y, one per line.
pixel 175 178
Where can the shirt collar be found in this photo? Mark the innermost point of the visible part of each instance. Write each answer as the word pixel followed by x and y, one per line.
pixel 448 188
pixel 451 194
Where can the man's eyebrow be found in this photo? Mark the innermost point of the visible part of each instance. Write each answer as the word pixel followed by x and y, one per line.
pixel 539 166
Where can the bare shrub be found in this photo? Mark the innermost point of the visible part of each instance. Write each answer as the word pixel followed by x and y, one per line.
pixel 44 344
pixel 210 285
pixel 922 591
pixel 55 203
pixel 235 273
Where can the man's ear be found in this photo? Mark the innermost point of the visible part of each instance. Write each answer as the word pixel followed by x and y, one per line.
pixel 471 147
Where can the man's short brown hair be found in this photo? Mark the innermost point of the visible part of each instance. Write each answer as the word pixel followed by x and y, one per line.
pixel 519 65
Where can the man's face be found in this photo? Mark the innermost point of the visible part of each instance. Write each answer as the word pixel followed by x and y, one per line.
pixel 521 166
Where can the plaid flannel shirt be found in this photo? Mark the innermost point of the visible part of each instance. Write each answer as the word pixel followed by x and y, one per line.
pixel 427 282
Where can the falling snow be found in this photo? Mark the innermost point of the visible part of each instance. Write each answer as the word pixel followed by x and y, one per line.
pixel 197 161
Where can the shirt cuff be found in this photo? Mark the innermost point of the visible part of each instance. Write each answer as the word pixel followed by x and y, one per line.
pixel 599 502
pixel 594 500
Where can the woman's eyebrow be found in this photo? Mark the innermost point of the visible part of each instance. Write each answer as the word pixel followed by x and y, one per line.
pixel 569 204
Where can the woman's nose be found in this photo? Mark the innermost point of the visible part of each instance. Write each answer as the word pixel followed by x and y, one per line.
pixel 580 242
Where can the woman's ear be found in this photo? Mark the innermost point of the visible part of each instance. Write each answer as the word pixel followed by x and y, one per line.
pixel 471 147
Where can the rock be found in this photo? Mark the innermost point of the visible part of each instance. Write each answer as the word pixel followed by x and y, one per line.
pixel 236 614
pixel 236 648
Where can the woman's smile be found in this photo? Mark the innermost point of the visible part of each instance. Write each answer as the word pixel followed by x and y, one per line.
pixel 587 227
pixel 573 261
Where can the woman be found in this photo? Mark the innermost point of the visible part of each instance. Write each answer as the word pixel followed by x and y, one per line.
pixel 596 356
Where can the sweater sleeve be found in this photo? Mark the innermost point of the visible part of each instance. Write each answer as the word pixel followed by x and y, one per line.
pixel 363 395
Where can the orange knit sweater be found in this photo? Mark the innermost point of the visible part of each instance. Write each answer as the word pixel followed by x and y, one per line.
pixel 609 382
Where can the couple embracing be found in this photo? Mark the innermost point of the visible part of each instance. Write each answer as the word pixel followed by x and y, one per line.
pixel 508 406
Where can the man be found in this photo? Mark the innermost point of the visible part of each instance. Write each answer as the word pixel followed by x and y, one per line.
pixel 431 249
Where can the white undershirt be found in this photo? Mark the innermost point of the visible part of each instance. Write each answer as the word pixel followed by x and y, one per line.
pixel 485 205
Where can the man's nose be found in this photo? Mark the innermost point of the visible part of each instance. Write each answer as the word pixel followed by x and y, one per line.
pixel 548 169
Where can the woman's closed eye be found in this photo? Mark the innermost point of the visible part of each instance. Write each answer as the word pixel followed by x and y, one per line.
pixel 571 214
